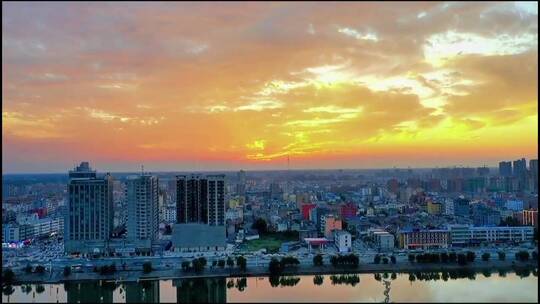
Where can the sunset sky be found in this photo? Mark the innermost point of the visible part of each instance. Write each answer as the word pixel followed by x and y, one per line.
pixel 214 86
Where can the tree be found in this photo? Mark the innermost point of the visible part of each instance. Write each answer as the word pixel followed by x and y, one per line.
pixel 27 268
pixel 8 290
pixel 260 225
pixel 509 221
pixel 411 258
pixel 334 261
pixel 26 288
pixel 214 263
pixel 230 262
pixel 385 260
pixel 241 262
pixel 40 269
pixel 168 230
pixel 289 261
pixel 452 257
pixel 318 280
pixel 444 257
pixel 485 256
pixel 8 276
pixel 318 260
pixel 198 265
pixel 40 288
pixel 221 263
pixel 274 267
pixel 535 255
pixel 393 259
pixel 462 259
pixel 203 261
pixel 502 255
pixel 67 271
pixel 185 265
pixel 147 267
pixel 470 256
pixel 377 259
pixel 522 255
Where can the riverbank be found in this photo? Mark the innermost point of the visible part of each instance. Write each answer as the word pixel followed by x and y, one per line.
pixel 134 276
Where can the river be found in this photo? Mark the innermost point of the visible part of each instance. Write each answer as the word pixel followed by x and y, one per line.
pixel 422 287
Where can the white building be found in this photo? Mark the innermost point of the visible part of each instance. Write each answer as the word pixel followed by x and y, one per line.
pixel 10 233
pixel 47 226
pixel 463 235
pixel 514 205
pixel 281 226
pixel 342 240
pixel 384 240
pixel 168 214
pixel 143 210
pixel 449 207
pixel 234 214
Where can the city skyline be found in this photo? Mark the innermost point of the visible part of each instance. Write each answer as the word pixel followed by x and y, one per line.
pixel 143 171
pixel 215 86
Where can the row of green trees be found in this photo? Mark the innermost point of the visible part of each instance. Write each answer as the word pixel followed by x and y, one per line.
pixel 39 269
pixel 276 267
pixel 452 257
pixel 347 279
pixel 524 255
pixel 351 260
pixel 199 264
pixel 377 259
pixel 106 269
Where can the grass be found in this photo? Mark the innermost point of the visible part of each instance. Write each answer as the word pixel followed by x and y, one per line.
pixel 270 241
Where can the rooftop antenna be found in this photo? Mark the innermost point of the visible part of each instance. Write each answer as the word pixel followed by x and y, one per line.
pixel 142 169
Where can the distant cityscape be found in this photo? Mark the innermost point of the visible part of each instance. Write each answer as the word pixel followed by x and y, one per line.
pixel 99 215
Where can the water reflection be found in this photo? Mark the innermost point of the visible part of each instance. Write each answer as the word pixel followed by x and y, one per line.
pixel 211 290
pixel 453 286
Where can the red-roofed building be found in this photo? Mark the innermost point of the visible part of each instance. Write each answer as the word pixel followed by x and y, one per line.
pixel 305 210
pixel 348 210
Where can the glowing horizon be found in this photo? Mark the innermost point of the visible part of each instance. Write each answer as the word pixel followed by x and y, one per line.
pixel 229 86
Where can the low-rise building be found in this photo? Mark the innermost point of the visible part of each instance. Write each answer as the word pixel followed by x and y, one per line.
pixel 465 235
pixel 514 205
pixel 424 239
pixel 434 208
pixel 343 241
pixel 195 237
pixel 331 223
pixel 10 233
pixel 383 240
pixel 502 234
pixel 529 217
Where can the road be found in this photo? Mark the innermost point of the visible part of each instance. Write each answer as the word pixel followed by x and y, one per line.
pixel 174 262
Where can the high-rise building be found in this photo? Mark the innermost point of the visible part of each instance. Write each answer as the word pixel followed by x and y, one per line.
pixel 533 168
pixel 482 171
pixel 519 167
pixel 89 215
pixel 143 209
pixel 505 168
pixel 462 207
pixel 275 191
pixel 200 199
pixel 241 186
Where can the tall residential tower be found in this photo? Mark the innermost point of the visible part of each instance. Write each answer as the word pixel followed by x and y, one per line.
pixel 143 209
pixel 89 215
pixel 200 199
